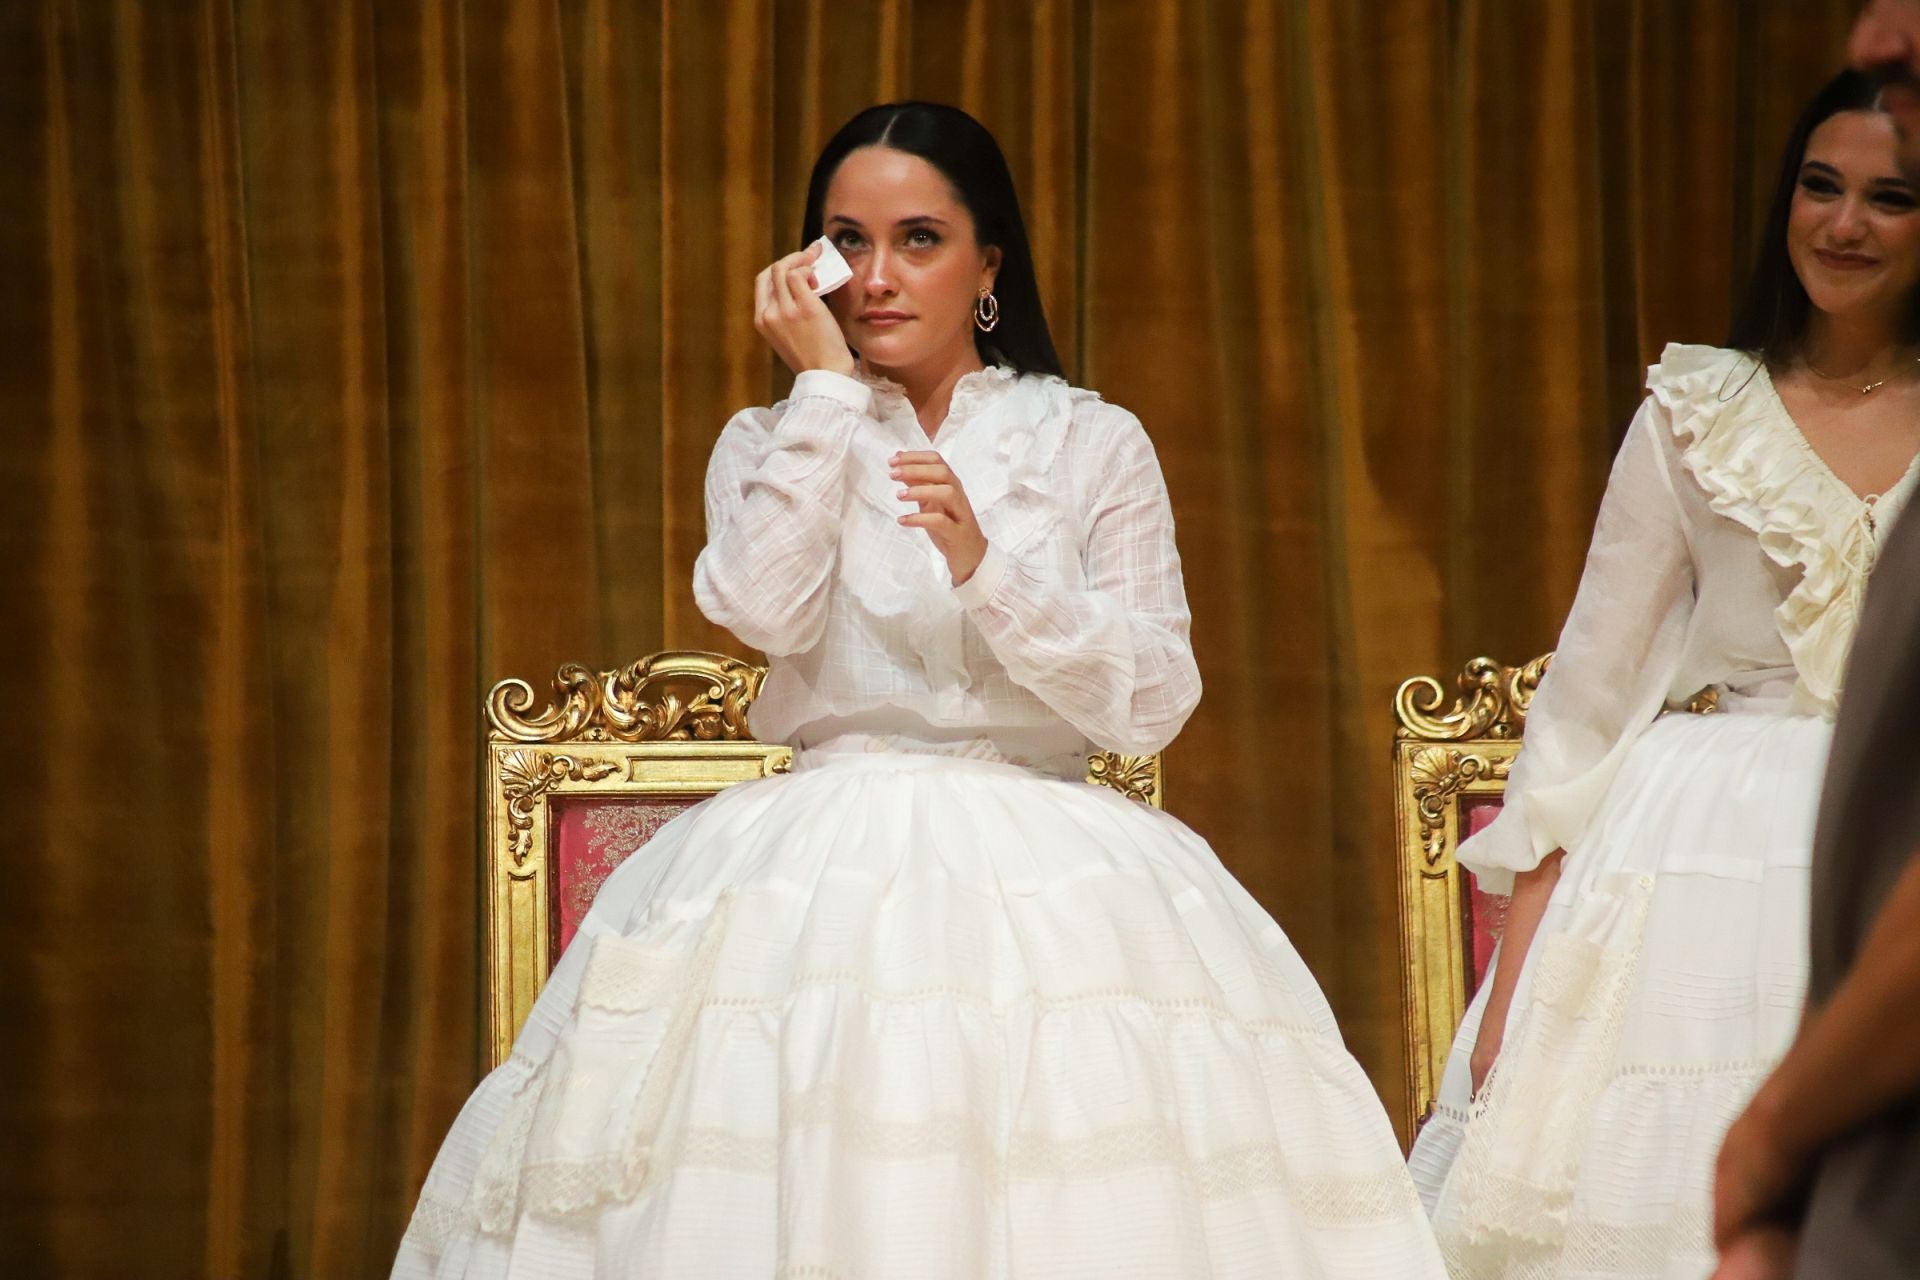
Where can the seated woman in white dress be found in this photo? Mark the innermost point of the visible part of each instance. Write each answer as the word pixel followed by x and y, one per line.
pixel 1656 950
pixel 930 1005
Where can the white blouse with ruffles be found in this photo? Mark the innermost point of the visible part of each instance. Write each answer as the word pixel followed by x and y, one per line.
pixel 1728 555
pixel 1073 630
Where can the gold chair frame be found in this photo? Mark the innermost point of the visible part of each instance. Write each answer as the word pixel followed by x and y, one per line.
pixel 1441 760
pixel 671 724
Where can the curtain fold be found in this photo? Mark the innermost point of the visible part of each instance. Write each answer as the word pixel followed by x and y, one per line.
pixel 354 356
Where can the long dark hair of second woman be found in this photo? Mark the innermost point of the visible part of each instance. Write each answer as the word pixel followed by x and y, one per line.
pixel 1771 320
pixel 963 149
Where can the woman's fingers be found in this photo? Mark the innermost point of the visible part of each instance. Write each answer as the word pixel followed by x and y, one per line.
pixel 762 298
pixel 798 271
pixel 924 473
pixel 925 494
pixel 795 322
pixel 804 258
pixel 933 485
pixel 926 479
pixel 770 287
pixel 922 467
pixel 801 304
pixel 781 307
pixel 808 257
pixel 783 293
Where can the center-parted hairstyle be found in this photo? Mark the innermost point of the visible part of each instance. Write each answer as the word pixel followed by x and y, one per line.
pixel 1771 320
pixel 963 150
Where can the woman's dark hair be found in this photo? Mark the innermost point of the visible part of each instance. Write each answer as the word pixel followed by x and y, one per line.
pixel 961 148
pixel 1771 320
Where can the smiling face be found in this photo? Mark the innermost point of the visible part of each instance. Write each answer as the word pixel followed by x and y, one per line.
pixel 917 268
pixel 1854 229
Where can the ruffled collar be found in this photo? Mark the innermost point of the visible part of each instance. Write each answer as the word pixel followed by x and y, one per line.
pixel 973 391
pixel 1001 433
pixel 1745 451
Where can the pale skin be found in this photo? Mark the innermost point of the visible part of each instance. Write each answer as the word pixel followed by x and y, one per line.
pixel 1532 890
pixel 1854 239
pixel 917 273
pixel 1853 236
pixel 1860 1053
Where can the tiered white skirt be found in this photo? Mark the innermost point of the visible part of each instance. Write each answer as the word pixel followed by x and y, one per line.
pixel 913 1016
pixel 1665 982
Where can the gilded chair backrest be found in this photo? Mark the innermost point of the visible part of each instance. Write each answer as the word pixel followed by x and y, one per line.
pixel 578 785
pixel 1450 765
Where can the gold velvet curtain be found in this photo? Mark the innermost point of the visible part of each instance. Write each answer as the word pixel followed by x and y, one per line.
pixel 357 353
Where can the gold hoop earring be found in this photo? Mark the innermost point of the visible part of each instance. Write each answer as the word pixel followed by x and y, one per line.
pixel 986 311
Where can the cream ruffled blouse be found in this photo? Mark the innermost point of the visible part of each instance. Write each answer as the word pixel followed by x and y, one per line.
pixel 1727 555
pixel 1073 630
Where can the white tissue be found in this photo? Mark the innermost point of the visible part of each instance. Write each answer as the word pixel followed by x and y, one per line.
pixel 830 270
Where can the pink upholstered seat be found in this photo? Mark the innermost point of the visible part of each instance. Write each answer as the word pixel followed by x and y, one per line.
pixel 1450 764
pixel 1486 912
pixel 575 787
pixel 590 838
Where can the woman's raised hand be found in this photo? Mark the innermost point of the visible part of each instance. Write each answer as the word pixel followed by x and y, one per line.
pixel 795 323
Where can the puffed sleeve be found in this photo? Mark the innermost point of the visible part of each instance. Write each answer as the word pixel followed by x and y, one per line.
pixel 1612 669
pixel 776 490
pixel 1113 659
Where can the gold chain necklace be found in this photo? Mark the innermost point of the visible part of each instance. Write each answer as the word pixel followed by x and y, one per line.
pixel 1869 389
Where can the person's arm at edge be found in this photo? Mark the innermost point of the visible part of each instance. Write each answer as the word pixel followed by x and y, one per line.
pixel 1855 1056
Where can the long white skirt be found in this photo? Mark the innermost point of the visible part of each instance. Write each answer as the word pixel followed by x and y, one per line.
pixel 1665 981
pixel 916 1016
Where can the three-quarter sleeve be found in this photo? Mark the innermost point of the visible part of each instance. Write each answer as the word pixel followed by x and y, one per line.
pixel 1113 657
pixel 1618 655
pixel 776 492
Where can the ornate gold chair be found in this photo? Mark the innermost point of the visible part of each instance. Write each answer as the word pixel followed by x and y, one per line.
pixel 1449 778
pixel 577 786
